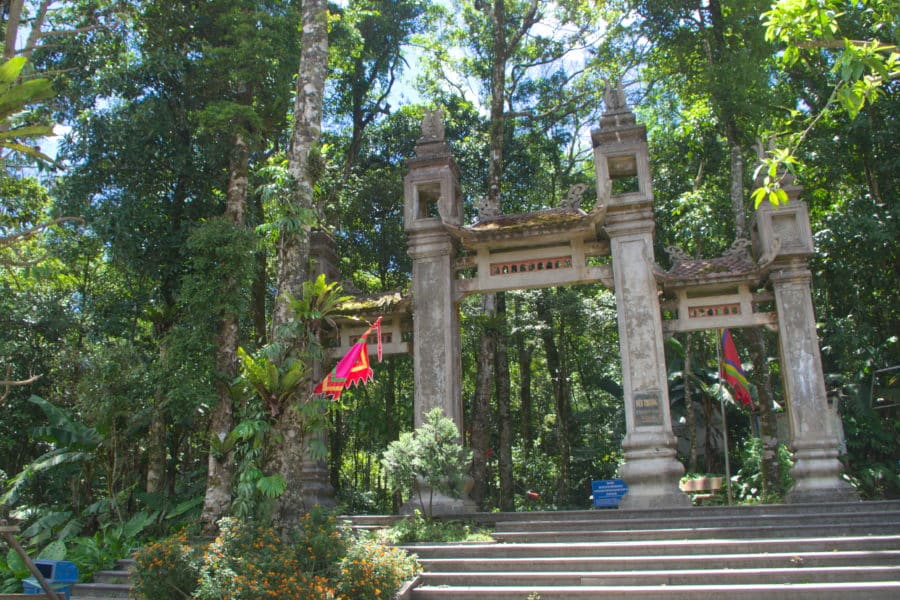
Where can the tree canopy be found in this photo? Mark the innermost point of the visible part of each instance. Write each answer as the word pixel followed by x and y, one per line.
pixel 154 268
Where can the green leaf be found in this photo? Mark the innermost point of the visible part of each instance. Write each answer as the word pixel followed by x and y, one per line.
pixel 184 507
pixel 27 131
pixel 271 486
pixel 55 550
pixel 17 97
pixel 758 195
pixel 42 463
pixel 9 71
pixel 17 565
pixel 791 55
pixel 27 150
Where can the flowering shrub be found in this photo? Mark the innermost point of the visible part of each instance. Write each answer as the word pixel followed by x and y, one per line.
pixel 371 571
pixel 249 562
pixel 167 569
pixel 321 543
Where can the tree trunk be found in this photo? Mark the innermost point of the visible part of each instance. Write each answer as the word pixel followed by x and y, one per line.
pixel 156 448
pixel 691 417
pixel 737 190
pixel 525 400
pixel 260 291
pixel 220 464
pixel 484 386
pixel 293 246
pixel 288 457
pixel 768 429
pixel 709 453
pixel 37 25
pixel 559 376
pixel 13 21
pixel 504 451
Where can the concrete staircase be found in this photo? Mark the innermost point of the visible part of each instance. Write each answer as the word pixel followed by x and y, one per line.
pixel 107 585
pixel 774 552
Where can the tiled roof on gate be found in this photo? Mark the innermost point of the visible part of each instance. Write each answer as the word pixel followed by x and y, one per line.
pixel 528 225
pixel 541 218
pixel 735 264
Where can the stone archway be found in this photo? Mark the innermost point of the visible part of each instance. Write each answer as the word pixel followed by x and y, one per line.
pixel 558 247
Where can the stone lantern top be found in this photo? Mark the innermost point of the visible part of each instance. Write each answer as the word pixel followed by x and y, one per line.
pixel 432 143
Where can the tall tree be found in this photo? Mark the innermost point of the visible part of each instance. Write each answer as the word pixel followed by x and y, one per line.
pixel 293 244
pixel 247 54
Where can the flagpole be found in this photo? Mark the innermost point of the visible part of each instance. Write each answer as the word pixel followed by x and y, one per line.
pixel 724 423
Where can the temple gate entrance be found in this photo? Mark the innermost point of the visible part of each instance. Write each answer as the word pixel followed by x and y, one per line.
pixel 612 244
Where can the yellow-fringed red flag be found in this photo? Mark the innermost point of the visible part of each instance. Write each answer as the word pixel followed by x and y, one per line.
pixel 353 368
pixel 732 372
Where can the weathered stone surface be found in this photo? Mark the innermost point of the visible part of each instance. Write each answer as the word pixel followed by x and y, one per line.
pixel 816 471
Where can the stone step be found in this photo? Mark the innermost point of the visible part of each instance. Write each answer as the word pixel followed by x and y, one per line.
pixel 665 514
pixel 112 576
pixel 100 591
pixel 108 584
pixel 682 532
pixel 702 576
pixel 835 550
pixel 549 523
pixel 888 590
pixel 600 564
pixel 656 548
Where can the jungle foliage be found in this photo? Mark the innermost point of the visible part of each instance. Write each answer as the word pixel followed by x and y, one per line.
pixel 119 264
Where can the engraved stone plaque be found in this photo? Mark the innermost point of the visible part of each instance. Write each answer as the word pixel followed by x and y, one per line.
pixel 646 409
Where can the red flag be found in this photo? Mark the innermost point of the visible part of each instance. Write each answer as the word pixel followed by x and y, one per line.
pixel 353 368
pixel 732 372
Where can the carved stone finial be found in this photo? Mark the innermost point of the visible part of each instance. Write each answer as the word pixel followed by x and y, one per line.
pixel 740 248
pixel 677 254
pixel 575 196
pixel 432 126
pixel 614 96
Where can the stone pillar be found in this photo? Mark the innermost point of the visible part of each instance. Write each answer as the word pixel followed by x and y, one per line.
pixel 651 468
pixel 436 352
pixel 813 439
pixel 432 200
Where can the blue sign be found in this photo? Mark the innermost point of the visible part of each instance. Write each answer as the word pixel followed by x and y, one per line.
pixel 608 492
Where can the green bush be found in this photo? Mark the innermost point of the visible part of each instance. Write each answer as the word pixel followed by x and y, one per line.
pixel 247 561
pixel 749 480
pixel 320 543
pixel 168 568
pixel 416 528
pixel 372 571
pixel 431 455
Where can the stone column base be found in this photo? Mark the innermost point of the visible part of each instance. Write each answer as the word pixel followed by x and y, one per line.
pixel 652 472
pixel 440 504
pixel 817 474
pixel 317 489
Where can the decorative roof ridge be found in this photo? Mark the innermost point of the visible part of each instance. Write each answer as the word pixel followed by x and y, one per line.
pixel 520 225
pixel 557 210
pixel 735 265
pixel 379 302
